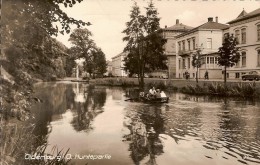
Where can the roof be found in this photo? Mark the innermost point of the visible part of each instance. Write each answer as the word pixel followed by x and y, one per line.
pixel 244 15
pixel 178 27
pixel 208 25
pixel 121 54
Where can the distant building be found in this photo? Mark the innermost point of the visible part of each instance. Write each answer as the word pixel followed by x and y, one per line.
pixel 246 29
pixel 118 65
pixel 170 33
pixel 206 37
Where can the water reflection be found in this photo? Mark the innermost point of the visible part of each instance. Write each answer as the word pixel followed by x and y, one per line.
pixel 145 124
pixel 84 101
pixel 187 130
pixel 89 104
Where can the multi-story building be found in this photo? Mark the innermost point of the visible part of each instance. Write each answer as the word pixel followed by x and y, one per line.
pixel 246 29
pixel 207 38
pixel 118 65
pixel 170 33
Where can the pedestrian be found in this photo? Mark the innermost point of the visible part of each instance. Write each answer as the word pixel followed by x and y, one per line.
pixel 206 76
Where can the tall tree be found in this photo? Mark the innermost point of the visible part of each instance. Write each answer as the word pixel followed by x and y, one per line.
pixel 144 42
pixel 28 49
pixel 228 54
pixel 96 64
pixel 197 62
pixel 82 44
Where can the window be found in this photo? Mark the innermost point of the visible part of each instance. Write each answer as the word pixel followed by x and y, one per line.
pixel 237 36
pixel 207 60
pixel 203 60
pixel 183 64
pixel 211 60
pixel 237 75
pixel 193 43
pixel 179 45
pixel 179 64
pixel 216 60
pixel 258 58
pixel 243 59
pixel 183 45
pixel 189 44
pixel 258 32
pixel 209 43
pixel 243 35
pixel 188 63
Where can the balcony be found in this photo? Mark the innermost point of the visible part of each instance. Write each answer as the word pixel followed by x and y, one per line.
pixel 185 52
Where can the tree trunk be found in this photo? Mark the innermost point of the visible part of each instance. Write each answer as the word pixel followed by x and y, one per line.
pixel 225 76
pixel 197 75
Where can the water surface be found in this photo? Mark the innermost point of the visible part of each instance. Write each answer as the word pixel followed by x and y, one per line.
pixel 96 120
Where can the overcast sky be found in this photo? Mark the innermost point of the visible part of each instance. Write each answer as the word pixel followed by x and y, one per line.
pixel 108 17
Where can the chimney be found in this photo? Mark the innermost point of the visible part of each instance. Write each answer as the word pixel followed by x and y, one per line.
pixel 210 19
pixel 217 19
pixel 165 26
pixel 177 21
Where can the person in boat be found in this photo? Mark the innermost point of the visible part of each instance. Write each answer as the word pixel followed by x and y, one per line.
pixel 163 95
pixel 141 94
pixel 152 92
pixel 158 93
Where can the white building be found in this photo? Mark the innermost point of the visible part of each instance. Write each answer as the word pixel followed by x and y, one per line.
pixel 246 28
pixel 206 37
pixel 170 33
pixel 118 65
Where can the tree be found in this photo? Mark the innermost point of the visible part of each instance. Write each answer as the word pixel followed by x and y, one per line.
pixel 197 62
pixel 144 43
pixel 82 43
pixel 29 51
pixel 228 54
pixel 96 63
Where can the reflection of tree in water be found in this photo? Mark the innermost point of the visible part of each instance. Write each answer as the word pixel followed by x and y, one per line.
pixel 145 125
pixel 86 111
pixel 54 103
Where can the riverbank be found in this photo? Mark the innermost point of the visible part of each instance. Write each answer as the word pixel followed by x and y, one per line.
pixel 203 87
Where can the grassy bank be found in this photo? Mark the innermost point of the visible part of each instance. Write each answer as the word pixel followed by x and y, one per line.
pixel 217 88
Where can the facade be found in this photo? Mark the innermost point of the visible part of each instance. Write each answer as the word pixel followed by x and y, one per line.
pixel 170 33
pixel 118 65
pixel 207 38
pixel 246 29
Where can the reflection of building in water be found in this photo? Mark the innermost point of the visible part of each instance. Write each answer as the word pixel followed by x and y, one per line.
pixel 79 93
pixel 117 95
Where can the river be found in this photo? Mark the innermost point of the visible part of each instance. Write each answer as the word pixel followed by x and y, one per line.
pixel 97 122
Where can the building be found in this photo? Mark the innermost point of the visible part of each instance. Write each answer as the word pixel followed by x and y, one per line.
pixel 118 65
pixel 246 29
pixel 170 33
pixel 207 38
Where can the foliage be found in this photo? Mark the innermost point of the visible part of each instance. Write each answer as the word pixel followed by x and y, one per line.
pixel 70 64
pixel 144 42
pixel 16 140
pixel 197 62
pixel 82 44
pixel 217 89
pixel 96 63
pixel 29 52
pixel 85 48
pixel 228 54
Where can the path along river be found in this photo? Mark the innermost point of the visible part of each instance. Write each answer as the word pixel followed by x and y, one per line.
pixel 97 122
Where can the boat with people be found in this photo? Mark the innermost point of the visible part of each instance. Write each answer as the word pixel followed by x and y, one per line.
pixel 153 96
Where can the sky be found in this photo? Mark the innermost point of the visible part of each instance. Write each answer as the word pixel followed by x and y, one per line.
pixel 108 17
